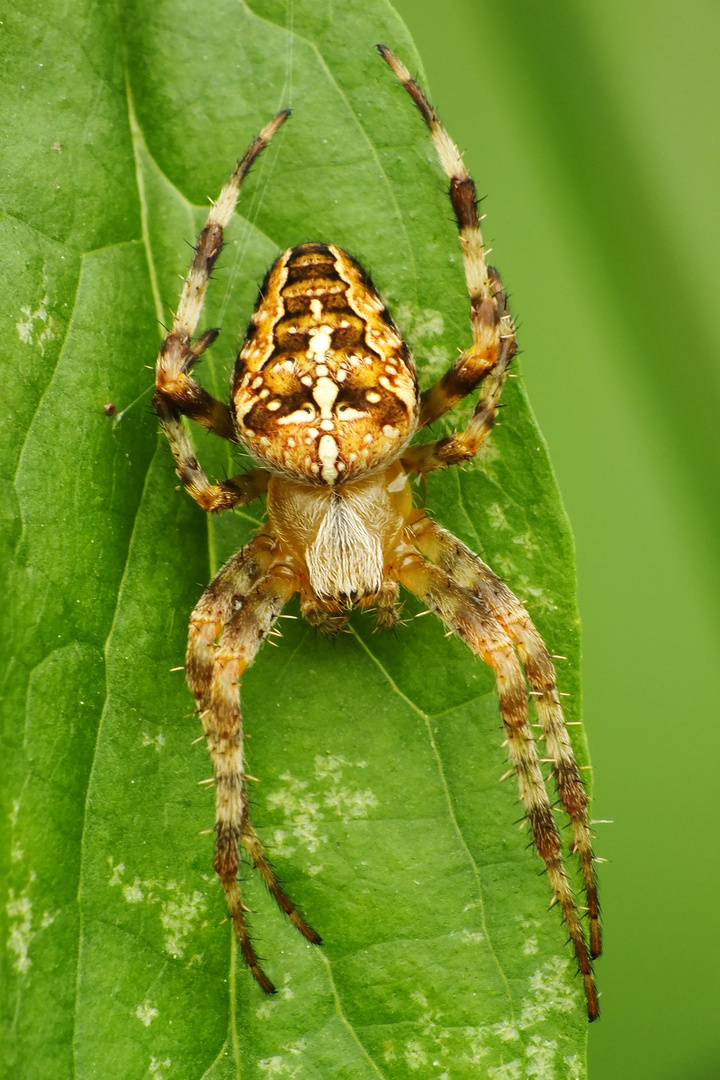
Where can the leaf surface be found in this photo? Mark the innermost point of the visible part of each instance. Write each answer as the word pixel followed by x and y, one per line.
pixel 378 756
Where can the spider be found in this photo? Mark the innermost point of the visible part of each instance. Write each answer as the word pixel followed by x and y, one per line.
pixel 325 398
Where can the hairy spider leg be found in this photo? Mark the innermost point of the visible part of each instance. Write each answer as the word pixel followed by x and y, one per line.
pixel 489 317
pixel 468 615
pixel 225 494
pixel 177 393
pixel 464 445
pixel 468 570
pixel 242 604
pixel 213 610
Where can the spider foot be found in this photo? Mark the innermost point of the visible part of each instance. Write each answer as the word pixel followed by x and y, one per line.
pixel 256 850
pixel 237 914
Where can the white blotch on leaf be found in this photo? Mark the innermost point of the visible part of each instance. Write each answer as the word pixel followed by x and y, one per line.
pixel 496 517
pixel 477 1046
pixel 551 988
pixel 19 910
pixel 506 566
pixel 528 545
pixel 531 946
pixel 117 873
pixel 487 454
pixel 419 326
pixel 471 937
pixel 19 913
pixel 525 589
pixel 573 1067
pixel 437 360
pixel 29 333
pixel 288 1064
pixel 273 1066
pixel 431 1044
pixel 414 1054
pixel 304 808
pixel 541 1058
pixel 348 801
pixel 177 917
pixel 437 1050
pixel 506 1031
pixel 158 741
pixel 267 1007
pixel 133 893
pixel 428 323
pixel 510 1070
pixel 146 1012
pixel 157 1067
pixel 179 911
pixel 302 813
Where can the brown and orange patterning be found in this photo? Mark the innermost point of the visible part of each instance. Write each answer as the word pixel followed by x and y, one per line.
pixel 325 398
pixel 324 387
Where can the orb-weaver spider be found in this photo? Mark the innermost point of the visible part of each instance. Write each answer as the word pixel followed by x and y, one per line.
pixel 325 398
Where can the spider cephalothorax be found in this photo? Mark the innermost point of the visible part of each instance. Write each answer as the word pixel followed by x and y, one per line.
pixel 325 398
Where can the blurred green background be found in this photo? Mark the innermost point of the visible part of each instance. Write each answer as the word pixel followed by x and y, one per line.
pixel 593 130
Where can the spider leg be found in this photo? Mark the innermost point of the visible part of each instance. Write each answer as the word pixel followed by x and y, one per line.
pixel 235 491
pixel 492 326
pixel 464 445
pixel 214 609
pixel 249 592
pixel 469 571
pixel 173 380
pixel 465 613
pixel 255 849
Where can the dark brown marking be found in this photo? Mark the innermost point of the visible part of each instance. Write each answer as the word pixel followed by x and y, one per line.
pixel 464 200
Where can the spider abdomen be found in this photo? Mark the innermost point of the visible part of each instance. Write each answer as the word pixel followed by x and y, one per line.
pixel 324 388
pixel 341 535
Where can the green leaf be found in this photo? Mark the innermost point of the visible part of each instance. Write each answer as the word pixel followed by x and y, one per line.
pixel 378 755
